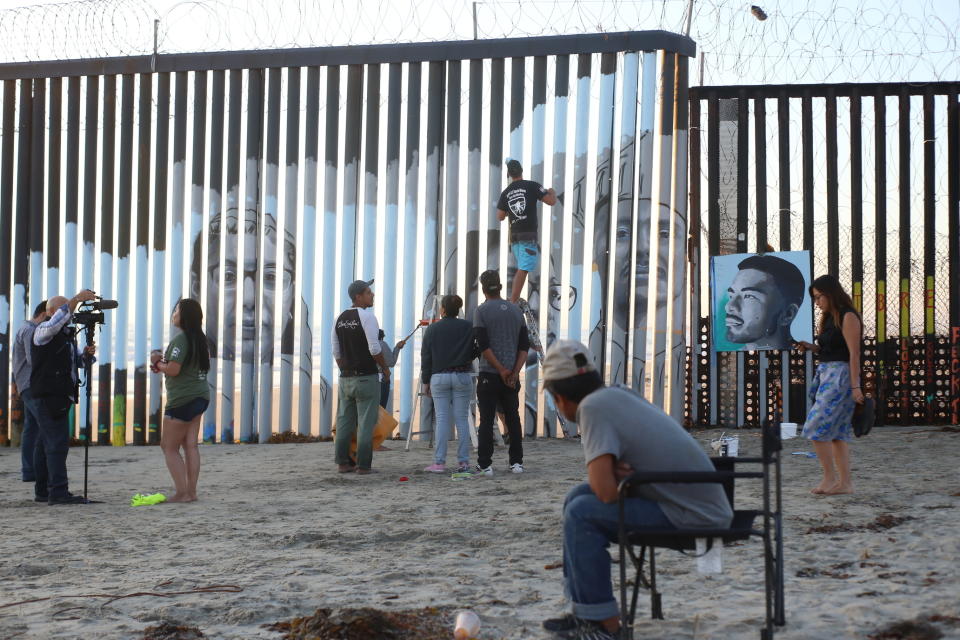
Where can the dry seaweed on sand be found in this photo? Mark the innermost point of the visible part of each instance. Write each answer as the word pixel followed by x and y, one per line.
pixel 430 623
pixel 907 630
pixel 286 437
pixel 881 523
pixel 172 631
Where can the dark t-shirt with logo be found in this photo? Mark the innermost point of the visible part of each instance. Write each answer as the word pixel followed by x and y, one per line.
pixel 519 201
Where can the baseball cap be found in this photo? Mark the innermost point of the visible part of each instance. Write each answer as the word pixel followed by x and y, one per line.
pixel 514 170
pixel 358 286
pixel 566 359
pixel 490 281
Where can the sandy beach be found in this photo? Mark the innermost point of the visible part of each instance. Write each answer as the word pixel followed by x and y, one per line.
pixel 279 524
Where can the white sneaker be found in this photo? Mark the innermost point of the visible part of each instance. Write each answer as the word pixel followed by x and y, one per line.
pixel 516 468
pixel 480 471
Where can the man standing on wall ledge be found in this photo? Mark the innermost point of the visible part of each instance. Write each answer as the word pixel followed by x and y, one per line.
pixel 519 201
pixel 356 347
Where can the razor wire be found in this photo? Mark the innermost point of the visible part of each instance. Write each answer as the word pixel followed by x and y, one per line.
pixel 738 43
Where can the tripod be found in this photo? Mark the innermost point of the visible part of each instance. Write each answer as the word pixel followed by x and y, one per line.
pixel 89 329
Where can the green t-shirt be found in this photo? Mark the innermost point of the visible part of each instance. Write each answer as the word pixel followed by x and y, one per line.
pixel 191 383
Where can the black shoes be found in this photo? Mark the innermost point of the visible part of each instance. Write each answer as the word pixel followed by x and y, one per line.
pixel 67 499
pixel 572 628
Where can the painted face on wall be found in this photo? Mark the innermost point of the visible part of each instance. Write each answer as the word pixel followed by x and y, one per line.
pixel 245 279
pixel 645 280
pixel 754 308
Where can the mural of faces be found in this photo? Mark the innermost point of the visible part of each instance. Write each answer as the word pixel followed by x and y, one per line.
pixel 243 277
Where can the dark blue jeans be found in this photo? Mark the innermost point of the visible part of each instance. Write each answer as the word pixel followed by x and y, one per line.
pixel 589 526
pixel 53 445
pixel 28 439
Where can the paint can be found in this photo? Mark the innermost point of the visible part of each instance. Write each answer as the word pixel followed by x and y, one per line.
pixel 729 446
pixel 788 430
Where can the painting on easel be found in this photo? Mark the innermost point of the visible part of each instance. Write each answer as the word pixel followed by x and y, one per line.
pixel 761 302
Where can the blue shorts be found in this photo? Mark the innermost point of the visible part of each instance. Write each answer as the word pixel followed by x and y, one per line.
pixel 189 411
pixel 527 254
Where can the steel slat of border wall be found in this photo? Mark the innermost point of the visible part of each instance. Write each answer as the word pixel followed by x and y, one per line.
pixel 760 151
pixel 929 253
pixel 144 113
pixel 436 90
pixel 158 308
pixel 405 383
pixel 880 259
pixel 125 200
pixel 856 198
pixel 179 187
pixel 351 177
pixel 517 113
pixel 600 271
pixel 371 160
pixel 783 150
pixel 742 188
pixel 197 186
pixel 678 252
pixel 53 187
pixel 579 204
pixel 642 233
pixel 71 193
pixel 833 204
pixel 36 180
pixel 693 286
pixel 806 136
pixel 623 275
pixel 89 210
pixel 517 90
pixel 307 276
pixel 215 231
pixel 287 267
pixel 232 278
pixel 21 258
pixel 713 230
pixel 551 272
pixel 905 196
pixel 72 186
pixel 249 352
pixel 271 235
pixel 6 251
pixel 536 292
pixel 451 209
pixel 664 221
pixel 868 354
pixel 107 183
pixel 392 213
pixel 953 237
pixel 472 294
pixel 495 174
pixel 330 290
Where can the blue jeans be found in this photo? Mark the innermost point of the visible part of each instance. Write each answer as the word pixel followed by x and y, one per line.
pixel 28 438
pixel 589 526
pixel 53 445
pixel 451 391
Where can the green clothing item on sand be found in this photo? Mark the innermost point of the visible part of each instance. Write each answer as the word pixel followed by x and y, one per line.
pixel 191 383
pixel 141 500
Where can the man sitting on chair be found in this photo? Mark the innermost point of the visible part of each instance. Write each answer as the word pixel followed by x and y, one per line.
pixel 621 433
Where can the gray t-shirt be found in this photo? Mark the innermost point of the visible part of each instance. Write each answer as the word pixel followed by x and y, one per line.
pixel 22 355
pixel 618 421
pixel 503 320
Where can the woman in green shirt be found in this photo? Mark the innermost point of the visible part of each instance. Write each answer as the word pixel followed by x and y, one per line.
pixel 184 365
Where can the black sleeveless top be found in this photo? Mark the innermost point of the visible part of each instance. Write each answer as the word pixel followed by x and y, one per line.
pixel 833 347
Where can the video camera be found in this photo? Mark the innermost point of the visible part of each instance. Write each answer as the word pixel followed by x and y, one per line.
pixel 91 312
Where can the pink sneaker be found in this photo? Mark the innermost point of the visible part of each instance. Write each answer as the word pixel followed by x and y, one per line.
pixel 436 468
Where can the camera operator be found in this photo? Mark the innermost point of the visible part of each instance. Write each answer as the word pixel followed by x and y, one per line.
pixel 54 384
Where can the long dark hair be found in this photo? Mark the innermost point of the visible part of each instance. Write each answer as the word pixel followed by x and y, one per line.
pixel 830 287
pixel 191 323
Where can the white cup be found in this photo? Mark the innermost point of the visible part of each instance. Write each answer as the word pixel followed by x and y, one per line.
pixel 733 447
pixel 467 625
pixel 788 430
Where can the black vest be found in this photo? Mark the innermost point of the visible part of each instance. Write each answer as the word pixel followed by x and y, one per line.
pixel 354 348
pixel 54 367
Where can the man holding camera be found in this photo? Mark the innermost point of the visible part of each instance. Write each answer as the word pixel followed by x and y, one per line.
pixel 54 385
